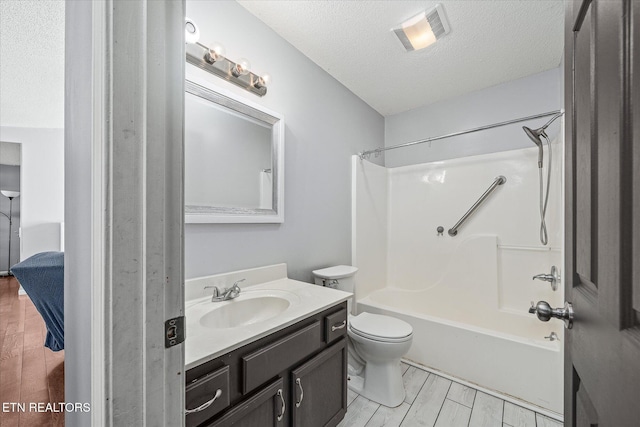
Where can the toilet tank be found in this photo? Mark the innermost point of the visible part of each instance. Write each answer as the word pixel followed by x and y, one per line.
pixel 339 277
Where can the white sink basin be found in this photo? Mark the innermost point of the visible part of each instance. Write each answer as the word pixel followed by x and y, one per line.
pixel 248 308
pixel 244 312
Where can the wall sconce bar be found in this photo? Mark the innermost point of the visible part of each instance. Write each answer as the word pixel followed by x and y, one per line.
pixel 224 68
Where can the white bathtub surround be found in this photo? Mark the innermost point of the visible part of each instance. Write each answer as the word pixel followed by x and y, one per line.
pixel 370 212
pixel 204 343
pixel 466 297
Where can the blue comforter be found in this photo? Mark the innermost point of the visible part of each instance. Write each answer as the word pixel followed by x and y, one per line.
pixel 42 277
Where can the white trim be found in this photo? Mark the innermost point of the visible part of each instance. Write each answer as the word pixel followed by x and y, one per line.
pixel 499 395
pixel 99 179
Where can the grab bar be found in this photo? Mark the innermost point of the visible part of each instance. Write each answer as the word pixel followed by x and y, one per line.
pixel 498 181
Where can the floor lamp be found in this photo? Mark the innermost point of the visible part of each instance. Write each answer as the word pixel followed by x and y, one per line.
pixel 10 195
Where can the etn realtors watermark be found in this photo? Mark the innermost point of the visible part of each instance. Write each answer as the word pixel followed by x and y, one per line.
pixel 45 407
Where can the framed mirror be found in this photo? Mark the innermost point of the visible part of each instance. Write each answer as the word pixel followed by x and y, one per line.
pixel 234 159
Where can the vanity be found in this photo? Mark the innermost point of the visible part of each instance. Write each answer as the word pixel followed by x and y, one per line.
pixel 274 356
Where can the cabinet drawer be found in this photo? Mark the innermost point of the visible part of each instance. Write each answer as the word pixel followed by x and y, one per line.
pixel 265 408
pixel 203 390
pixel 335 325
pixel 269 361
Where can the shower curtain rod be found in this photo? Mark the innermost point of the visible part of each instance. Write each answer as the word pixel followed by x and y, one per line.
pixel 377 151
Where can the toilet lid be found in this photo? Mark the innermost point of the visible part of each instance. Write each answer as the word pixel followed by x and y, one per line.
pixel 380 327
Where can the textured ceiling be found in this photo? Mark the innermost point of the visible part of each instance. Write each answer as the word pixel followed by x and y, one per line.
pixel 490 42
pixel 32 63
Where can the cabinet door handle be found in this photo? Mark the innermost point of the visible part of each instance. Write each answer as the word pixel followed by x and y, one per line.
pixel 284 407
pixel 205 405
pixel 299 402
pixel 342 325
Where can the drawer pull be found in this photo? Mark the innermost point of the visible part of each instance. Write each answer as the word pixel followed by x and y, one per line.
pixel 205 405
pixel 342 325
pixel 279 393
pixel 299 402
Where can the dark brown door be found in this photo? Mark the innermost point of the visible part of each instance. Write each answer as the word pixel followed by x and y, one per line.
pixel 602 99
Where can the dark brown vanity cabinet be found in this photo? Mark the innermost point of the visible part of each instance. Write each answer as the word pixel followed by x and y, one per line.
pixel 319 394
pixel 294 377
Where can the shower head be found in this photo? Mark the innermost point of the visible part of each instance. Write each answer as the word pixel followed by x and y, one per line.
pixel 534 135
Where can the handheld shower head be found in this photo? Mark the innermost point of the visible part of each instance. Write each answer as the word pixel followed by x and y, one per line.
pixel 534 135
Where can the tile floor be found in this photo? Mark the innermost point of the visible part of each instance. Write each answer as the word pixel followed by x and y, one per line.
pixel 436 401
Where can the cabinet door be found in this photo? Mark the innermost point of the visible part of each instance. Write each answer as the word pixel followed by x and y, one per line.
pixel 319 388
pixel 266 408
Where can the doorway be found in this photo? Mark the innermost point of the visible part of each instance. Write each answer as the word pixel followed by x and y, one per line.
pixel 10 162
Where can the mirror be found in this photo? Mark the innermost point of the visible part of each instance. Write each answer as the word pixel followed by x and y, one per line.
pixel 234 154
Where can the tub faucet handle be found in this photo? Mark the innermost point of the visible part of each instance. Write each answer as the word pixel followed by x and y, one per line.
pixel 553 277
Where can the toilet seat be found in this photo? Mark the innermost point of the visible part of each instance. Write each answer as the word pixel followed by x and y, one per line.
pixel 382 328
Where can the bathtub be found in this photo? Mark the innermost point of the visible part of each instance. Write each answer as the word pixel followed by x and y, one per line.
pixel 467 297
pixel 461 329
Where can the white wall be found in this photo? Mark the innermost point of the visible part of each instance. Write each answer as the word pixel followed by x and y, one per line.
pixel 42 187
pixel 527 96
pixel 325 125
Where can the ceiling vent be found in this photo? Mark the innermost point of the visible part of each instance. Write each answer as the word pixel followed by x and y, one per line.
pixel 423 29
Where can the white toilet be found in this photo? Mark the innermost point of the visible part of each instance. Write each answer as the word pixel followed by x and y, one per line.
pixel 376 344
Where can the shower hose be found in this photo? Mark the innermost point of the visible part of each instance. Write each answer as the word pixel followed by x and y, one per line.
pixel 544 238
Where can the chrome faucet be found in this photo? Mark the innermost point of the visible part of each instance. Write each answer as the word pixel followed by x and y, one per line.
pixel 225 294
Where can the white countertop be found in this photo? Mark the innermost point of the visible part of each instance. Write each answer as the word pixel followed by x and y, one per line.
pixel 203 344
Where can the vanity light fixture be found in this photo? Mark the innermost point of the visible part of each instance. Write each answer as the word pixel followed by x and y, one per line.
pixel 215 53
pixel 423 29
pixel 191 31
pixel 212 59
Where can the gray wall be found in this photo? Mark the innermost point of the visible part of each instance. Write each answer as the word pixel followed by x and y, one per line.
pixel 325 125
pixel 527 96
pixel 9 180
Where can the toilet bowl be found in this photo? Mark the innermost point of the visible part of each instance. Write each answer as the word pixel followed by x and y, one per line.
pixel 376 345
pixel 380 341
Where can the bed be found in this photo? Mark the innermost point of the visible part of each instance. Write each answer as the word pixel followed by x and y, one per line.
pixel 42 277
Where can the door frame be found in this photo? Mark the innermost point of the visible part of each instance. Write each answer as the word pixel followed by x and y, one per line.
pixel 124 102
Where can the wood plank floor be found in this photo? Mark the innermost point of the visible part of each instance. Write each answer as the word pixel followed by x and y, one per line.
pixel 29 372
pixel 434 401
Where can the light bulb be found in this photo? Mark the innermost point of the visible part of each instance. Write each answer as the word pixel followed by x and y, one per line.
pixel 241 68
pixel 191 31
pixel 215 53
pixel 262 81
